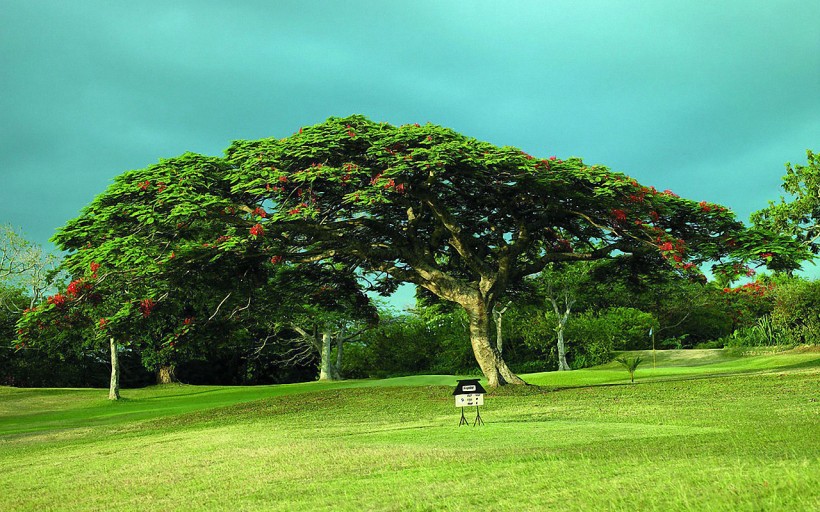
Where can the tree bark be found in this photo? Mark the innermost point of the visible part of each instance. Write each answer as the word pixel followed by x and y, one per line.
pixel 337 368
pixel 562 352
pixel 562 323
pixel 489 358
pixel 498 316
pixel 165 374
pixel 325 371
pixel 114 387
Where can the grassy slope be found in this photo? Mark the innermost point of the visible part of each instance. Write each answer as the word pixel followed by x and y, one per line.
pixel 702 431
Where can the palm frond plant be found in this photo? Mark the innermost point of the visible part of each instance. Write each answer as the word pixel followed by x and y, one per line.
pixel 631 364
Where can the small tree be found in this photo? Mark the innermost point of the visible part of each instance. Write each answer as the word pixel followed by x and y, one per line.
pixel 631 364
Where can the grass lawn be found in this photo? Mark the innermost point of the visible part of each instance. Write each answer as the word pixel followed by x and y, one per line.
pixel 704 430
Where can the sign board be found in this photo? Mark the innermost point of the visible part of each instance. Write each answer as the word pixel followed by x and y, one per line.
pixel 469 387
pixel 471 400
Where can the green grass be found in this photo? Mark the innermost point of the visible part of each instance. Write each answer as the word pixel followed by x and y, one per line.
pixel 704 430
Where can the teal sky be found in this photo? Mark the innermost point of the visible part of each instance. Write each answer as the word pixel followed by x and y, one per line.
pixel 706 98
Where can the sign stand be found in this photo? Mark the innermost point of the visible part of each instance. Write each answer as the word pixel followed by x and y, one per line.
pixel 469 393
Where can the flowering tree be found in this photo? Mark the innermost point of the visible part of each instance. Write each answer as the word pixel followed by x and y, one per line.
pixel 155 268
pixel 125 289
pixel 464 219
pixel 461 218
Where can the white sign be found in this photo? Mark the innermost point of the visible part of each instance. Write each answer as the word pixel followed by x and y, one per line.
pixel 468 388
pixel 470 400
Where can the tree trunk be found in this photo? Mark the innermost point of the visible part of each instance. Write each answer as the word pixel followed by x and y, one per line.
pixel 489 358
pixel 325 371
pixel 114 387
pixel 337 368
pixel 165 374
pixel 562 323
pixel 498 316
pixel 562 352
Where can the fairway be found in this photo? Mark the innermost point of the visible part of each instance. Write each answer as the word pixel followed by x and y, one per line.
pixel 705 430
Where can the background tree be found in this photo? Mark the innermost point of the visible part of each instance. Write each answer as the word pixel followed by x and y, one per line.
pixel 24 265
pixel 799 216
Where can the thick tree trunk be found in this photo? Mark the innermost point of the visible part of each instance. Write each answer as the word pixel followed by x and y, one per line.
pixel 489 358
pixel 165 374
pixel 325 371
pixel 114 387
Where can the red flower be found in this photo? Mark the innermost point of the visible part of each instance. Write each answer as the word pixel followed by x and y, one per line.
pixel 276 259
pixel 667 246
pixel 400 188
pixel 144 185
pixel 670 193
pixel 103 323
pixel 74 287
pixel 160 186
pixel 146 306
pixel 705 206
pixel 258 230
pixel 677 258
pixel 188 320
pixel 552 158
pixel 766 255
pixel 94 266
pixel 619 215
pixel 294 211
pixel 283 179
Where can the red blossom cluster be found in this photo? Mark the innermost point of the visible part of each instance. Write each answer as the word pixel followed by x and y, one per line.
pixel 276 259
pixel 161 186
pixel 146 306
pixel 350 132
pixel 144 185
pixel 766 255
pixel 94 266
pixel 58 300
pixel 669 193
pixel 223 239
pixel 619 215
pixel 259 211
pixel 188 320
pixel 753 288
pixel 103 323
pixel 74 287
pixel 257 230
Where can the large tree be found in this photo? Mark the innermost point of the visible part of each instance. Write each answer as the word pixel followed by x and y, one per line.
pixel 461 218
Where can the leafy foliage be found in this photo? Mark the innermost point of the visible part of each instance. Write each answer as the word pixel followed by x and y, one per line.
pixel 800 215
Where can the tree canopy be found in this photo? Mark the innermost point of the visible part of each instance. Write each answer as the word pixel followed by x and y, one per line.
pixel 464 219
